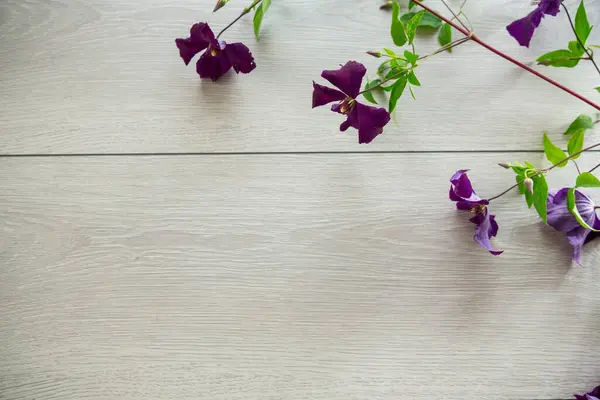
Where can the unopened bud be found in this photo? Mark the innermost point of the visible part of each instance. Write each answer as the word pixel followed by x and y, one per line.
pixel 386 6
pixel 376 54
pixel 220 3
pixel 505 165
pixel 528 182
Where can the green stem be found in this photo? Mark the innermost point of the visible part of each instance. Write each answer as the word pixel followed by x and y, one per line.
pixel 244 12
pixel 541 171
pixel 591 57
pixel 447 47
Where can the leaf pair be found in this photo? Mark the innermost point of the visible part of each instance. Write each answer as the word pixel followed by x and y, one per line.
pixel 404 28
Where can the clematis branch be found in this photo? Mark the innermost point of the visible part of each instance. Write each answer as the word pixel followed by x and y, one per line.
pixel 590 55
pixel 476 39
pixel 541 171
pixel 245 11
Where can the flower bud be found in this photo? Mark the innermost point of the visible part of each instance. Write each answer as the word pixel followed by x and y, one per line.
pixel 528 182
pixel 505 165
pixel 220 3
pixel 386 6
pixel 376 54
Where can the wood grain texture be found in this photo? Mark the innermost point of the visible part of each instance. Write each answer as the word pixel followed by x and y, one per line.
pixel 104 76
pixel 283 277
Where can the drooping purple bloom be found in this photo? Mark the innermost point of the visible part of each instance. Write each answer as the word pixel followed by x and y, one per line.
pixel 522 29
pixel 593 395
pixel 561 219
pixel 348 79
pixel 461 191
pixel 219 56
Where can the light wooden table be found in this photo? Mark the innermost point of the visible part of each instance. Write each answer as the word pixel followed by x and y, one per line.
pixel 166 238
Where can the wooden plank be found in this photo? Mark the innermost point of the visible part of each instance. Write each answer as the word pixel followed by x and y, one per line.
pixel 104 76
pixel 283 277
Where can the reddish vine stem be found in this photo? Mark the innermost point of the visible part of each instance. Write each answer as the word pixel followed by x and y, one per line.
pixel 476 39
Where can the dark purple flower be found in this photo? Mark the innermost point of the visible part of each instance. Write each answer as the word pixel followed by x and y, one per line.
pixel 461 191
pixel 593 395
pixel 561 219
pixel 219 56
pixel 368 120
pixel 522 29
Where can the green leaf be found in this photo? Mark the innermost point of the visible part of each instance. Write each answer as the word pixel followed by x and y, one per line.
pixel 582 122
pixel 572 206
pixel 397 30
pixel 411 4
pixel 559 58
pixel 369 95
pixel 411 57
pixel 259 15
pixel 540 195
pixel 576 48
pixel 597 89
pixel 553 154
pixel 411 25
pixel 582 25
pixel 397 89
pixel 411 92
pixel 529 165
pixel 587 179
pixel 428 21
pixel 576 143
pixel 412 79
pixel 445 35
pixel 389 52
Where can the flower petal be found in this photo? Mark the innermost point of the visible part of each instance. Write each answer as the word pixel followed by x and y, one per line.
pixel 577 238
pixel 462 184
pixel 487 227
pixel 559 216
pixel 550 7
pixel 323 95
pixel 371 121
pixel 240 57
pixel 200 37
pixel 212 67
pixel 594 394
pixel 522 29
pixel 348 78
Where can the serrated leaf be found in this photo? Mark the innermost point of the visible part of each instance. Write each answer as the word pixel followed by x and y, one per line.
pixel 553 154
pixel 540 195
pixel 397 90
pixel 581 122
pixel 576 48
pixel 259 14
pixel 397 30
pixel 412 79
pixel 576 143
pixel 572 207
pixel 428 21
pixel 582 25
pixel 412 24
pixel 559 58
pixel 587 179
pixel 369 95
pixel 445 35
pixel 411 57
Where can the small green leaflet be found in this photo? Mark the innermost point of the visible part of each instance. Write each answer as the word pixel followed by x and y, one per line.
pixel 397 89
pixel 576 143
pixel 397 30
pixel 411 57
pixel 369 95
pixel 597 89
pixel 411 25
pixel 581 122
pixel 540 195
pixel 553 153
pixel 411 92
pixel 445 35
pixel 576 48
pixel 389 52
pixel 412 79
pixel 259 15
pixel 572 206
pixel 428 21
pixel 559 58
pixel 587 179
pixel 582 26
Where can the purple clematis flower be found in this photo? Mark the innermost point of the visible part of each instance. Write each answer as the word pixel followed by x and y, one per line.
pixel 461 191
pixel 522 29
pixel 219 56
pixel 593 395
pixel 561 219
pixel 368 120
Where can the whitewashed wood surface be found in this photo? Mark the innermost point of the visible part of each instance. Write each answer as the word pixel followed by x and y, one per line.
pixel 323 276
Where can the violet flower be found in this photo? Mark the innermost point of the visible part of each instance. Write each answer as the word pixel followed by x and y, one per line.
pixel 593 395
pixel 561 219
pixel 522 29
pixel 348 79
pixel 219 56
pixel 461 191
